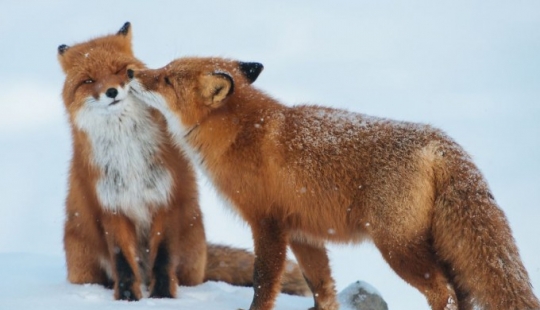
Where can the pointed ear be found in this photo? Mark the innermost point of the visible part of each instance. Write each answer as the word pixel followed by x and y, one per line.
pixel 216 87
pixel 125 30
pixel 251 70
pixel 62 49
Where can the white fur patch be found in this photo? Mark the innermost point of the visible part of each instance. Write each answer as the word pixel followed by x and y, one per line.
pixel 174 124
pixel 125 141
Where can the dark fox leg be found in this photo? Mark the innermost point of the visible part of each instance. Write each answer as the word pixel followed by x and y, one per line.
pixel 315 266
pixel 164 282
pixel 121 238
pixel 270 251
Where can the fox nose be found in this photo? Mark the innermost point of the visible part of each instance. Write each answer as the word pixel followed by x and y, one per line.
pixel 111 93
pixel 130 73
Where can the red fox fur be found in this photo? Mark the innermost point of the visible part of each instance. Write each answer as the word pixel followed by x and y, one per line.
pixel 304 175
pixel 132 212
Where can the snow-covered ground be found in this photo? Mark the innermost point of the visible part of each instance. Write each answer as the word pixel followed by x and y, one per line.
pixel 471 68
pixel 39 283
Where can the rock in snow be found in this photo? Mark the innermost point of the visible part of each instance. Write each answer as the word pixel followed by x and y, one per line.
pixel 361 296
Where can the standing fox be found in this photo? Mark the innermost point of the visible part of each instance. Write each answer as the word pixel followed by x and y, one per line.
pixel 132 212
pixel 301 176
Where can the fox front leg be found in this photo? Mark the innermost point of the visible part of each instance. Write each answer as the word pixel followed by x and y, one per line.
pixel 121 241
pixel 270 250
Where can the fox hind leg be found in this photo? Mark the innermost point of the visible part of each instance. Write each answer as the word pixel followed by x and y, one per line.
pixel 83 262
pixel 191 250
pixel 416 263
pixel 315 266
pixel 87 257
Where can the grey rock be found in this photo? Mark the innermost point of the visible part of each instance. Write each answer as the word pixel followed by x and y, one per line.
pixel 361 296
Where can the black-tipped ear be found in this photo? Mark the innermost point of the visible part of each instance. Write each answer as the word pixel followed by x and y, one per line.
pixel 125 29
pixel 62 49
pixel 251 70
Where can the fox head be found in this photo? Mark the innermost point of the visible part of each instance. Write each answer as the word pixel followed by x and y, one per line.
pixel 192 88
pixel 96 72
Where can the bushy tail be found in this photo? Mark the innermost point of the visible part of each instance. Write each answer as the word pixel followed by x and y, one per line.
pixel 472 235
pixel 235 266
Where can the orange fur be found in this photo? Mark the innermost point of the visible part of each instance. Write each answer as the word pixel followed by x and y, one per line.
pixel 306 175
pixel 132 212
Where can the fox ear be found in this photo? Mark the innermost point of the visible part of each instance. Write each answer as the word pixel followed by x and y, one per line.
pixel 124 31
pixel 251 70
pixel 62 49
pixel 216 87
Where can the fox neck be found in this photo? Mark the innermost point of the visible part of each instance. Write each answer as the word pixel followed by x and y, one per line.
pixel 204 142
pixel 212 139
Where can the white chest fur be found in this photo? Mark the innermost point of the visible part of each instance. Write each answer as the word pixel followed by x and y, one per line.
pixel 125 141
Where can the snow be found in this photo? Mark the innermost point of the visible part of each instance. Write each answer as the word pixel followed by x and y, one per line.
pixel 468 68
pixel 41 284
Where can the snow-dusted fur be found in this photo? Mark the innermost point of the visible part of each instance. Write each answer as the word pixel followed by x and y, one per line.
pixel 304 175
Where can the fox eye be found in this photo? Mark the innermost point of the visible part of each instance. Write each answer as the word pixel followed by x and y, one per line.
pixel 167 81
pixel 89 81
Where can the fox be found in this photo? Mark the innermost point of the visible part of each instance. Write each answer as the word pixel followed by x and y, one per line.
pixel 305 175
pixel 132 208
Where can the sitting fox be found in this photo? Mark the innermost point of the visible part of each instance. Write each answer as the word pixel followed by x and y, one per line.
pixel 132 210
pixel 305 175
